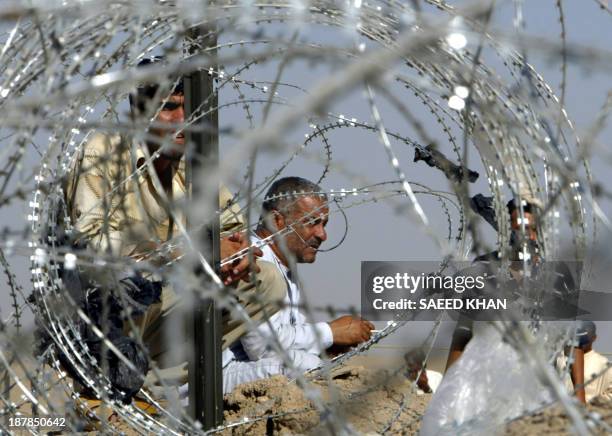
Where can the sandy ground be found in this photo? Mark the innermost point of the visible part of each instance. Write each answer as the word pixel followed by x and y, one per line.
pixel 370 411
pixel 553 421
pixel 367 399
pixel 362 393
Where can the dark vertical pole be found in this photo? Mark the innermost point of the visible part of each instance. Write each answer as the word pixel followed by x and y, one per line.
pixel 205 383
pixel 6 378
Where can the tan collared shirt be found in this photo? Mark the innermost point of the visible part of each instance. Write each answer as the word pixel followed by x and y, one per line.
pixel 118 210
pixel 596 366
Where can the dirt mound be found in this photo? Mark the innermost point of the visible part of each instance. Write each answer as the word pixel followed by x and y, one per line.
pixel 367 400
pixel 554 421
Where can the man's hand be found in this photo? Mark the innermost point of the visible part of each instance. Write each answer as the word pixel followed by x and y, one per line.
pixel 237 270
pixel 415 370
pixel 349 330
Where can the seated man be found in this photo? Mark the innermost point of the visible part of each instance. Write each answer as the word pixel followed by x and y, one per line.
pixel 292 224
pixel 118 214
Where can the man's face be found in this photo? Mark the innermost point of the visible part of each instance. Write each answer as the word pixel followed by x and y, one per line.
pixel 308 217
pixel 529 221
pixel 173 112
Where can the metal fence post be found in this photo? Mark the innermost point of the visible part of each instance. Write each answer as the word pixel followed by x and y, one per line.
pixel 205 382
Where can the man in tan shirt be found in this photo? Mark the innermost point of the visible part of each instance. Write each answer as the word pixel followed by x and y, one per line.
pixel 126 200
pixel 597 369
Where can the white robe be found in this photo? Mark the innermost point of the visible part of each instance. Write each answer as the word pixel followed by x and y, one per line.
pixel 302 341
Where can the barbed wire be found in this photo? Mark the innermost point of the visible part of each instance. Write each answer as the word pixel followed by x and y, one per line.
pixel 66 70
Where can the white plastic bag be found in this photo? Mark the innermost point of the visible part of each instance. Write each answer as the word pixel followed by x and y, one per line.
pixel 486 386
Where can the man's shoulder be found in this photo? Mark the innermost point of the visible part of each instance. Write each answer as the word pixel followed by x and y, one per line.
pixel 273 271
pixel 270 275
pixel 267 252
pixel 596 357
pixel 269 256
pixel 102 143
pixel 104 154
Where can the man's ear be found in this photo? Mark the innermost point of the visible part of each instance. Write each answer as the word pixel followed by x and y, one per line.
pixel 279 220
pixel 274 221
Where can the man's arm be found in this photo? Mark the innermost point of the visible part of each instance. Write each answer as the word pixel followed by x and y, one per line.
pixel 313 337
pixel 456 350
pixel 577 374
pixel 461 336
pixel 290 337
